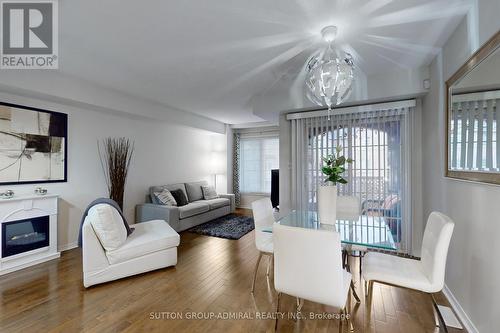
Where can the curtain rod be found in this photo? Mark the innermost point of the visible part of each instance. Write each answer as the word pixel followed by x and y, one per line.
pixel 257 130
pixel 355 108
pixel 255 135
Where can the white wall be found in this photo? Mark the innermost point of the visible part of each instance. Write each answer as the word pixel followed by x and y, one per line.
pixel 286 96
pixel 164 153
pixel 472 268
pixel 56 87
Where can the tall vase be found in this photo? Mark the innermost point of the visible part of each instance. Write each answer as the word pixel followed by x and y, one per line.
pixel 327 204
pixel 115 161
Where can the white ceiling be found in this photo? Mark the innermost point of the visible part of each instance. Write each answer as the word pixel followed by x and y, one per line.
pixel 213 57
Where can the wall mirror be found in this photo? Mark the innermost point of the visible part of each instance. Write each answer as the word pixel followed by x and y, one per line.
pixel 472 117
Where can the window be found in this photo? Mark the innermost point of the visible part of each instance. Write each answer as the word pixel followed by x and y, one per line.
pixel 258 156
pixel 379 141
pixel 375 175
pixel 473 136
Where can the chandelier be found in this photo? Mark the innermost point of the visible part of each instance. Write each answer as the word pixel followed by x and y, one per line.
pixel 329 74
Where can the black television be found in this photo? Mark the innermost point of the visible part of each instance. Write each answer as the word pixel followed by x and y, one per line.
pixel 275 187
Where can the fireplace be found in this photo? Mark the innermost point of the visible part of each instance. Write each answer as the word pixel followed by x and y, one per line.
pixel 25 235
pixel 28 231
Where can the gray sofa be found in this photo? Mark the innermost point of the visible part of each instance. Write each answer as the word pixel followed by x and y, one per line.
pixel 197 211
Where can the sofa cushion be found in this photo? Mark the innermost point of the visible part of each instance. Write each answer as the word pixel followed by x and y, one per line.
pixel 193 208
pixel 194 191
pixel 209 192
pixel 216 203
pixel 148 237
pixel 108 226
pixel 180 197
pixel 165 198
pixel 170 187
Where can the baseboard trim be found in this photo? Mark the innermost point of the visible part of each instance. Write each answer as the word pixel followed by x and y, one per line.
pixel 459 311
pixel 67 247
pixel 31 263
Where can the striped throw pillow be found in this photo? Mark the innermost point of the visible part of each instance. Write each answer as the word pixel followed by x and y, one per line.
pixel 165 198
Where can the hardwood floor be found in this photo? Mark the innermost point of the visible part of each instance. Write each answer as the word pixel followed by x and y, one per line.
pixel 213 277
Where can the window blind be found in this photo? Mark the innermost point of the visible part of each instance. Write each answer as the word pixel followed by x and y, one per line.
pixel 473 136
pixel 258 156
pixel 377 141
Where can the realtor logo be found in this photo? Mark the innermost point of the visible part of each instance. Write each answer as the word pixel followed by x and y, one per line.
pixel 29 35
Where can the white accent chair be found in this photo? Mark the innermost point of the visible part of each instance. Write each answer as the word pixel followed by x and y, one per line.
pixel 308 265
pixel 152 245
pixel 263 217
pixel 427 274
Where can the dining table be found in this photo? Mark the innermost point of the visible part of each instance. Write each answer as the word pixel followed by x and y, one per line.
pixel 357 232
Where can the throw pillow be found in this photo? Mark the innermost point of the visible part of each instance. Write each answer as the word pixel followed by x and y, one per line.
pixel 179 197
pixel 108 226
pixel 209 192
pixel 165 198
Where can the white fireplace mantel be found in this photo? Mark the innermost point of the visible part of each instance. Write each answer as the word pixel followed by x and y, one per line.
pixel 24 207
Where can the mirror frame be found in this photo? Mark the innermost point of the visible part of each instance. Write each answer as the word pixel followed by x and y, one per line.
pixel 481 54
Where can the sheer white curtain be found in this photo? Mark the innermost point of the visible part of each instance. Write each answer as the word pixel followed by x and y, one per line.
pixel 258 156
pixel 377 138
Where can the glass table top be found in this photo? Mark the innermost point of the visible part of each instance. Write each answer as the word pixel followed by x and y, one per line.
pixel 365 231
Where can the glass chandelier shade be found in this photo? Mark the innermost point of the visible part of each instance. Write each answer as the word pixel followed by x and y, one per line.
pixel 329 77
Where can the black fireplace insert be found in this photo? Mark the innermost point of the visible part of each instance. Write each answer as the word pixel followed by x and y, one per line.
pixel 24 235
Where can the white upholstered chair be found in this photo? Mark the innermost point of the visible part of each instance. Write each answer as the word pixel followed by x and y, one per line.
pixel 263 217
pixel 348 207
pixel 308 265
pixel 152 245
pixel 425 275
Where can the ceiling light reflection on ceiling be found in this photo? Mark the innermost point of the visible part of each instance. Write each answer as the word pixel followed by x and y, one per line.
pixel 330 74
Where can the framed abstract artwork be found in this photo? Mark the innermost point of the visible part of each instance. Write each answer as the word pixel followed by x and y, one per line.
pixel 33 145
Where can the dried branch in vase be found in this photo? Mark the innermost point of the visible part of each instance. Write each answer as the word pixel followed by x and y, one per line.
pixel 115 159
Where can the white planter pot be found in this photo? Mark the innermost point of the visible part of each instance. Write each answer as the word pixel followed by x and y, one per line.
pixel 327 204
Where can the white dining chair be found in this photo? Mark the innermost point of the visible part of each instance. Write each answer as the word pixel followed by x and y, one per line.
pixel 263 217
pixel 426 274
pixel 308 265
pixel 348 207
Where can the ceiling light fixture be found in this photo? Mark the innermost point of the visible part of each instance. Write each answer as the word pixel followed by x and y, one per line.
pixel 329 74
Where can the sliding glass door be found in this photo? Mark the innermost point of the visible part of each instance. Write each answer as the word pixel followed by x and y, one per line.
pixel 377 141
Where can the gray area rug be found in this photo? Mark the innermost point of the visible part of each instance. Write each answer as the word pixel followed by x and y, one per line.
pixel 230 226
